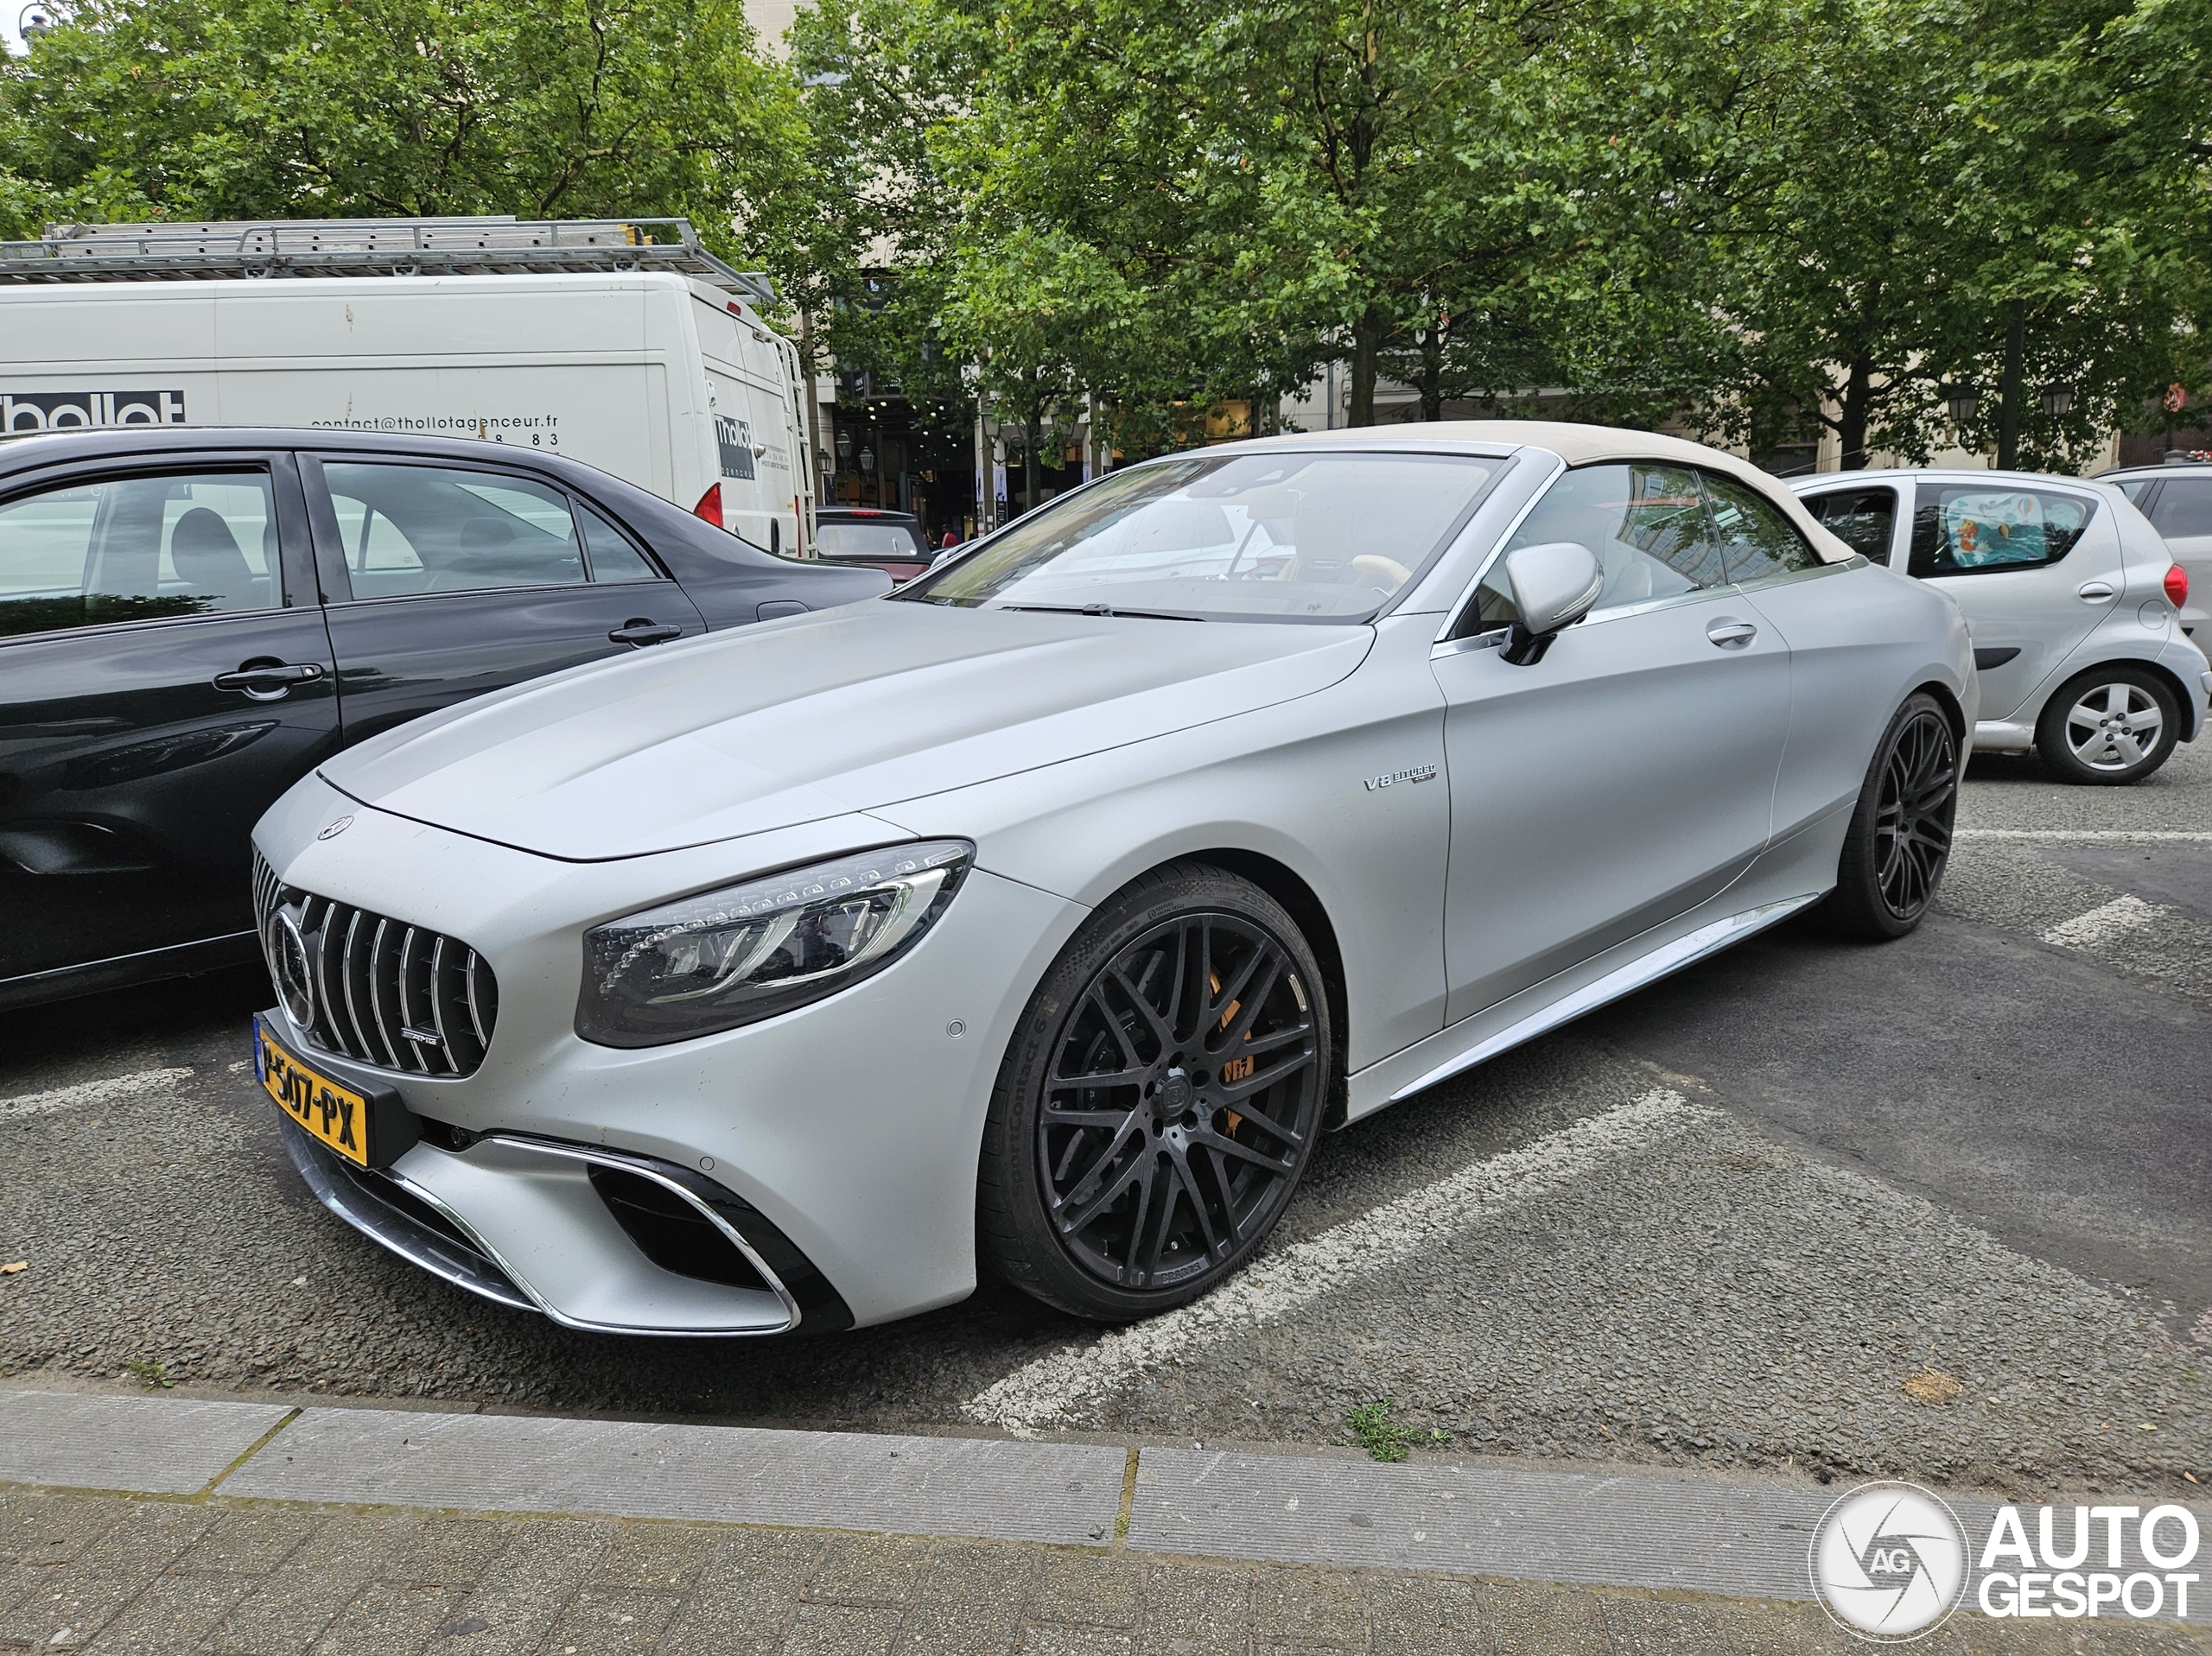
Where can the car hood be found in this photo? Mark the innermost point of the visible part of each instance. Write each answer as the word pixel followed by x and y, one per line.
pixel 789 721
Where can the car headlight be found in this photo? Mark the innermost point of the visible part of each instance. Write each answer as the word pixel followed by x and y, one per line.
pixel 748 952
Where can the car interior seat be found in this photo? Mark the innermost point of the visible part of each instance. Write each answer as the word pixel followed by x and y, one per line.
pixel 207 558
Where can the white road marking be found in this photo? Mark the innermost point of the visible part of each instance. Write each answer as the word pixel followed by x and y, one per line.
pixel 1053 1390
pixel 2089 836
pixel 2105 923
pixel 89 1093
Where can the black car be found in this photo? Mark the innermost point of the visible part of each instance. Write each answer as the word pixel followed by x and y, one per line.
pixel 190 620
pixel 890 541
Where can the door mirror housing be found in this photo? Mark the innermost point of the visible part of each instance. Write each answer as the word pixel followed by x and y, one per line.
pixel 1553 585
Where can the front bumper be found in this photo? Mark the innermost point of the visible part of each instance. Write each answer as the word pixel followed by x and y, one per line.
pixel 838 1142
pixel 535 1226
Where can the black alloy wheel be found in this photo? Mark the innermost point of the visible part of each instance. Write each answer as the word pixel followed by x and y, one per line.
pixel 1899 840
pixel 1161 1101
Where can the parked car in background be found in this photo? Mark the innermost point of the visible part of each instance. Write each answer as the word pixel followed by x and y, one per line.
pixel 2177 499
pixel 1047 911
pixel 2073 599
pixel 890 541
pixel 191 620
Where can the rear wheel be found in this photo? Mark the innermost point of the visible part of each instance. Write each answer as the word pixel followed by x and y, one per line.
pixel 2109 726
pixel 1159 1100
pixel 1900 836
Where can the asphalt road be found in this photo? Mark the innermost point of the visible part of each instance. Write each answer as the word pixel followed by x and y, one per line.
pixel 1935 1209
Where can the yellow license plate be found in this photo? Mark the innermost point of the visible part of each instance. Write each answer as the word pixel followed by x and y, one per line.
pixel 337 1115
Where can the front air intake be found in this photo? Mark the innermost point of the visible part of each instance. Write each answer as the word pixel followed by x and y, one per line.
pixel 375 989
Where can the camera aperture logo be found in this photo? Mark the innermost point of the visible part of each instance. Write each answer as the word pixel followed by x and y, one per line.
pixel 1889 1562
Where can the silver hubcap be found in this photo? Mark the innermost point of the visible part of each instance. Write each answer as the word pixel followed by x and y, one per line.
pixel 2114 726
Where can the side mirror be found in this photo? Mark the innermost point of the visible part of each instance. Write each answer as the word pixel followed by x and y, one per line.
pixel 1554 586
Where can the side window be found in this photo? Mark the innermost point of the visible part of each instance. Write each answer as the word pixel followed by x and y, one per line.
pixel 612 557
pixel 2135 488
pixel 2184 508
pixel 436 529
pixel 1964 529
pixel 137 548
pixel 1647 524
pixel 1863 519
pixel 1757 537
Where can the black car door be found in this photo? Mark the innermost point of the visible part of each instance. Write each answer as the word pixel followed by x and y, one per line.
pixel 445 580
pixel 164 675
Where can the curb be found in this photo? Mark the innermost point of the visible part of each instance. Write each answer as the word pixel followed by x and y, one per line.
pixel 1637 1530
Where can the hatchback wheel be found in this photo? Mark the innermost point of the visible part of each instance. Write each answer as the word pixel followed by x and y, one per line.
pixel 1900 836
pixel 2110 726
pixel 1159 1100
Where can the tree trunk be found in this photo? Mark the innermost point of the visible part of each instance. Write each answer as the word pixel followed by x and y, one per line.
pixel 1032 434
pixel 1857 403
pixel 1431 372
pixel 1366 347
pixel 2008 406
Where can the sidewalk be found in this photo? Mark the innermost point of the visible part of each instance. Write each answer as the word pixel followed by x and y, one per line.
pixel 253 1527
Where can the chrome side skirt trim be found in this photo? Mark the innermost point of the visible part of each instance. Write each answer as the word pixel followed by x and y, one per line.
pixel 1622 980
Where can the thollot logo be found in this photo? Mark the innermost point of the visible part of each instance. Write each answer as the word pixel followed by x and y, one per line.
pixel 75 410
pixel 1891 1561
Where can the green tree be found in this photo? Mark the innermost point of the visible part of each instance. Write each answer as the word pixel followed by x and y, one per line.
pixel 244 109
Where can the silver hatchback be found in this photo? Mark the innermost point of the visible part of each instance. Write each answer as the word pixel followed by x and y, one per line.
pixel 2074 600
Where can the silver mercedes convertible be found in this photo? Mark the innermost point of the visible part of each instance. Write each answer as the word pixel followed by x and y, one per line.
pixel 1042 916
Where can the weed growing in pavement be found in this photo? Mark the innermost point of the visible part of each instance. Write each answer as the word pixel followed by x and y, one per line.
pixel 1373 1429
pixel 148 1373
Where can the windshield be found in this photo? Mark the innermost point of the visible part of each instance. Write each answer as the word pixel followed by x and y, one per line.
pixel 1280 537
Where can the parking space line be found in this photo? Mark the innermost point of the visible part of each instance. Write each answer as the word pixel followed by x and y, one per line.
pixel 90 1092
pixel 2105 923
pixel 1053 1390
pixel 2089 836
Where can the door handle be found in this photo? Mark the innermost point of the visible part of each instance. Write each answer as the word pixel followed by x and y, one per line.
pixel 2094 592
pixel 641 630
pixel 268 680
pixel 1729 634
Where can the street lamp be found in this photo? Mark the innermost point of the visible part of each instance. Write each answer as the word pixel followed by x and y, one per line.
pixel 1964 400
pixel 2057 401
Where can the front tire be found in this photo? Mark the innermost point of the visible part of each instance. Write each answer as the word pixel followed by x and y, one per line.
pixel 1160 1100
pixel 2109 726
pixel 1899 840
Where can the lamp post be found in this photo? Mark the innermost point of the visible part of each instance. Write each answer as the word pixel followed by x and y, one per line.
pixel 2057 401
pixel 1964 400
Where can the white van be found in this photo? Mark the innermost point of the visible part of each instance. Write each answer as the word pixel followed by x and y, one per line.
pixel 625 346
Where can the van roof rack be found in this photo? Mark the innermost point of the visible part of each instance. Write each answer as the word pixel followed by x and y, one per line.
pixel 500 246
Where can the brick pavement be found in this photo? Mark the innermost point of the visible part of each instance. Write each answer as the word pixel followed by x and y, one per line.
pixel 114 1574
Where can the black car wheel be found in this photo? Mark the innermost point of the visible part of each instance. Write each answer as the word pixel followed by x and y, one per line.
pixel 1899 839
pixel 1159 1100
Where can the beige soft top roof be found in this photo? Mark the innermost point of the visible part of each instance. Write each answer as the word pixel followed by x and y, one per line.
pixel 1578 445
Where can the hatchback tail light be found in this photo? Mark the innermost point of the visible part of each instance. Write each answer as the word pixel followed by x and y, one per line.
pixel 2177 585
pixel 709 509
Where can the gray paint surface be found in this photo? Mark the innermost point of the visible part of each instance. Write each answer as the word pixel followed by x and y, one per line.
pixel 1064 1493
pixel 170 1446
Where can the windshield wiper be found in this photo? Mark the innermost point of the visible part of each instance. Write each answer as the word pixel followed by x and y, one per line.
pixel 1100 609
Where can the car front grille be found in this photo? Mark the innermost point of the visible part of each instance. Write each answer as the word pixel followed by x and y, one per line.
pixel 382 992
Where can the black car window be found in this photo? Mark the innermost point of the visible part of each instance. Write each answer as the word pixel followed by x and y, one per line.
pixel 2184 507
pixel 1646 523
pixel 1966 529
pixel 436 529
pixel 1863 519
pixel 612 557
pixel 137 548
pixel 1757 537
